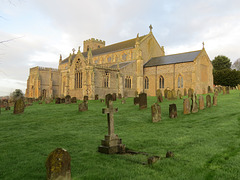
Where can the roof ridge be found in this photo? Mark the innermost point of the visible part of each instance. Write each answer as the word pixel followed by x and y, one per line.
pixel 181 53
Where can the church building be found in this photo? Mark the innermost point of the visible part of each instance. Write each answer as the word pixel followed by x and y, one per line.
pixel 138 64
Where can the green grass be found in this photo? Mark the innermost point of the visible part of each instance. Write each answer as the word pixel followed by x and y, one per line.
pixel 206 145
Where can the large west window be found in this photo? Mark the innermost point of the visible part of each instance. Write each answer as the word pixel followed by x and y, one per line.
pixel 78 80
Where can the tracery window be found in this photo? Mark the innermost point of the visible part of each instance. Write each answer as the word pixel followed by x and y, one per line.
pixel 78 80
pixel 106 80
pixel 128 82
pixel 180 81
pixel 161 82
pixel 146 83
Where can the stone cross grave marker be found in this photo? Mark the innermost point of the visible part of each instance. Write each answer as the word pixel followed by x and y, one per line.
pixel 142 101
pixel 156 112
pixel 208 101
pixel 58 165
pixel 108 97
pixel 186 106
pixel 201 102
pixel 111 144
pixel 19 106
pixel 172 111
pixel 194 107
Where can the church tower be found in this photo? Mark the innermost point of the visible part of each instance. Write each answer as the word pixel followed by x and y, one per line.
pixel 93 44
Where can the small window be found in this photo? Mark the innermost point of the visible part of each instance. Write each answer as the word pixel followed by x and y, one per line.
pixel 146 83
pixel 161 82
pixel 180 81
pixel 128 82
pixel 87 48
pixel 106 80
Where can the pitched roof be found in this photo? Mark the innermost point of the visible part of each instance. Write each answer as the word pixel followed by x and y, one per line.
pixel 111 48
pixel 172 59
pixel 122 65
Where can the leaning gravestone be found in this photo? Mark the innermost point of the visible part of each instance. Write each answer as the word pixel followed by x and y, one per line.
pixel 112 144
pixel 194 107
pixel 96 96
pixel 214 100
pixel 114 97
pixel 58 101
pixel 208 101
pixel 85 98
pixel 136 100
pixel 19 106
pixel 142 101
pixel 73 100
pixel 83 106
pixel 108 97
pixel 186 106
pixel 156 112
pixel 68 99
pixel 172 110
pixel 201 102
pixel 58 165
pixel 159 96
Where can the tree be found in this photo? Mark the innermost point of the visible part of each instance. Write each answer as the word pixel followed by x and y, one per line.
pixel 236 65
pixel 226 77
pixel 17 94
pixel 221 62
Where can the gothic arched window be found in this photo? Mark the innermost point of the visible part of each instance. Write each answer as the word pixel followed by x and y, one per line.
pixel 78 80
pixel 161 82
pixel 106 80
pixel 128 82
pixel 146 83
pixel 180 81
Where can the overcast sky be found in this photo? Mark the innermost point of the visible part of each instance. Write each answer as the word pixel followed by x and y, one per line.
pixel 44 29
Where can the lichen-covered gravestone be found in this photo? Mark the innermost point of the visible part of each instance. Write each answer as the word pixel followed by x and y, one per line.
pixel 73 100
pixel 190 92
pixel 108 97
pixel 112 144
pixel 19 106
pixel 172 110
pixel 136 100
pixel 68 99
pixel 63 100
pixel 185 92
pixel 179 94
pixel 142 101
pixel 156 112
pixel 85 98
pixel 58 101
pixel 208 101
pixel 58 165
pixel 194 107
pixel 83 106
pixel 165 93
pixel 215 100
pixel 186 106
pixel 159 96
pixel 114 96
pixel 201 102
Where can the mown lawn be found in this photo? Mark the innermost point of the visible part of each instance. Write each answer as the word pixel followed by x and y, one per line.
pixel 206 145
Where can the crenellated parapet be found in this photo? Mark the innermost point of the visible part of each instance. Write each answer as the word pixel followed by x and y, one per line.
pixel 93 44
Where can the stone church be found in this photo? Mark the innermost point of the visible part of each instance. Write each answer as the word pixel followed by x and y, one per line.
pixel 138 64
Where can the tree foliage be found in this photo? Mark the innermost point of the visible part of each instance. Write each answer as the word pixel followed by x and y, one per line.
pixel 221 62
pixel 226 77
pixel 17 94
pixel 236 65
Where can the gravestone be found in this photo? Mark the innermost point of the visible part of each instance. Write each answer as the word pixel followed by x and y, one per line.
pixel 224 90
pixel 58 101
pixel 68 99
pixel 170 95
pixel 112 144
pixel 73 100
pixel 125 94
pixel 185 92
pixel 216 92
pixel 208 101
pixel 142 101
pixel 186 106
pixel 156 112
pixel 201 102
pixel 119 96
pixel 179 94
pixel 83 106
pixel 96 96
pixel 102 100
pixel 174 94
pixel 209 89
pixel 136 100
pixel 172 111
pixel 194 107
pixel 190 92
pixel 227 90
pixel 48 100
pixel 114 97
pixel 165 93
pixel 214 100
pixel 19 106
pixel 63 100
pixel 159 96
pixel 85 98
pixel 108 97
pixel 58 165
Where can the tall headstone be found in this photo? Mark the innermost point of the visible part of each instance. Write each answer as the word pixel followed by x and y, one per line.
pixel 68 99
pixel 165 93
pixel 224 90
pixel 156 112
pixel 186 106
pixel 215 100
pixel 170 95
pixel 179 94
pixel 19 106
pixel 108 97
pixel 159 96
pixel 136 100
pixel 58 101
pixel 96 96
pixel 142 101
pixel 185 92
pixel 73 100
pixel 227 90
pixel 83 106
pixel 58 165
pixel 85 98
pixel 172 111
pixel 201 102
pixel 194 107
pixel 114 97
pixel 208 101
pixel 112 144
pixel 190 92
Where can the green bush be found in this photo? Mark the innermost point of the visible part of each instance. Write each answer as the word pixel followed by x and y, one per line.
pixel 226 77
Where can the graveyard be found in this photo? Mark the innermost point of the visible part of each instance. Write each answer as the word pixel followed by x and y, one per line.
pixel 205 144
